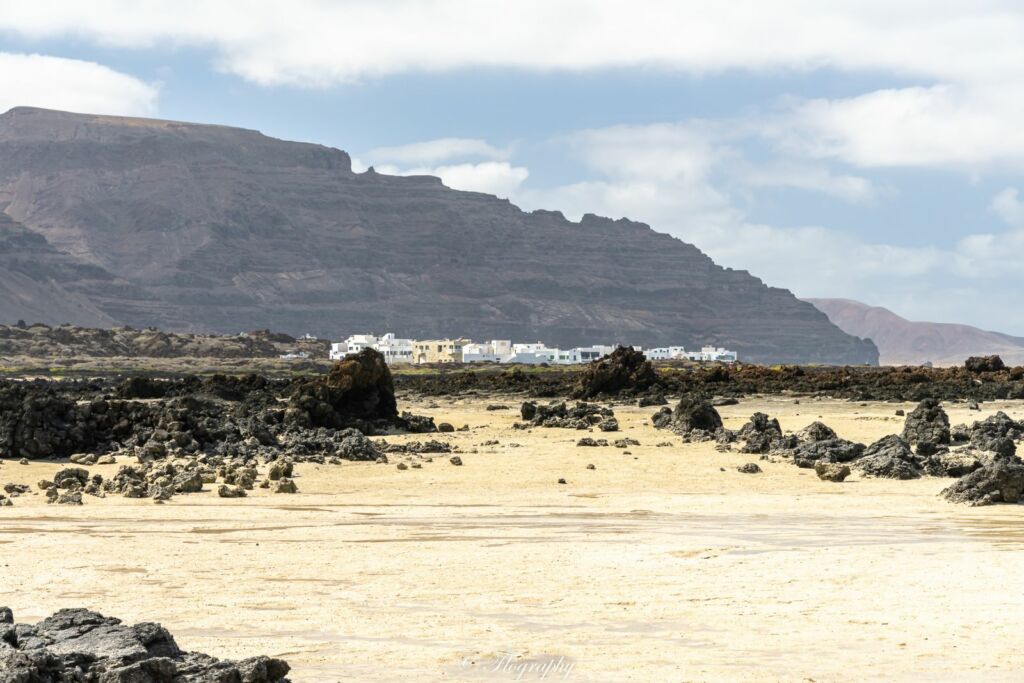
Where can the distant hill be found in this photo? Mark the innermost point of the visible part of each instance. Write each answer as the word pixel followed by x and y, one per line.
pixel 904 342
pixel 72 341
pixel 189 227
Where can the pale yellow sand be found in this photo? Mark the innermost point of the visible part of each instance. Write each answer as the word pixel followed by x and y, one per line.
pixel 656 566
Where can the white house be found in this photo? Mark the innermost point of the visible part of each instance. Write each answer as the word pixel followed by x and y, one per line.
pixel 707 353
pixel 533 354
pixel 588 354
pixel 393 349
pixel 529 348
pixel 495 351
pixel 338 350
pixel 713 353
pixel 666 353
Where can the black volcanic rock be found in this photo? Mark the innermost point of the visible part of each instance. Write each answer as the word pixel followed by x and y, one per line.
pixel 209 228
pixel 984 364
pixel 357 388
pixel 624 370
pixel 80 645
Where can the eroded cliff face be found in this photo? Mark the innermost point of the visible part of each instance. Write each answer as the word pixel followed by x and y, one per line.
pixel 211 228
pixel 39 282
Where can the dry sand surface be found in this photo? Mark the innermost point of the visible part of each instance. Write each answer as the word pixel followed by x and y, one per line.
pixel 655 566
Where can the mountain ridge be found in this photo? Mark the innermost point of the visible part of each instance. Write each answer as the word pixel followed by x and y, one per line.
pixel 907 342
pixel 219 229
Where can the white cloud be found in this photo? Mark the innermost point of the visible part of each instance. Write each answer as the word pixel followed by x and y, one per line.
pixel 810 177
pixel 71 85
pixel 493 177
pixel 966 62
pixel 435 151
pixel 1008 206
pixel 315 42
pixel 938 126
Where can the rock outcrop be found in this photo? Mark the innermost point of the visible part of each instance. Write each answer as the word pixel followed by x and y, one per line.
pixel 693 417
pixel 763 434
pixel 210 228
pixel 811 453
pixel 1000 482
pixel 927 426
pixel 80 645
pixel 230 418
pixel 357 389
pixel 624 371
pixel 889 457
pixel 978 364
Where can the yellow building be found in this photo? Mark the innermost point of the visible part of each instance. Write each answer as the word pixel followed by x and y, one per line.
pixel 438 350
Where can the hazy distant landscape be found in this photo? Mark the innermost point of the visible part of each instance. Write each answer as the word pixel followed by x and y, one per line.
pixel 903 342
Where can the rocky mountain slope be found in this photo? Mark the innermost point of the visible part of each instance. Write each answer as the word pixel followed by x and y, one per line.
pixel 38 282
pixel 903 342
pixel 208 228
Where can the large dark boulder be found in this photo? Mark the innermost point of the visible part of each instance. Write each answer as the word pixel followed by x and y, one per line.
pixel 995 434
pixel 830 450
pixel 984 364
pixel 889 457
pixel 1002 481
pixel 1001 446
pixel 79 645
pixel 927 426
pixel 951 463
pixel 692 413
pixel 624 371
pixel 761 434
pixel 358 388
pixel 816 431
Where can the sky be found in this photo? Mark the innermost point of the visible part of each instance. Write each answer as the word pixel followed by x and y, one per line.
pixel 867 150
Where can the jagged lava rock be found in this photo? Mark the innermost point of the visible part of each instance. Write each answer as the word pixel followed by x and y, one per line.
pixel 690 414
pixel 359 387
pixel 889 457
pixel 1000 482
pixel 984 364
pixel 927 426
pixel 624 370
pixel 80 645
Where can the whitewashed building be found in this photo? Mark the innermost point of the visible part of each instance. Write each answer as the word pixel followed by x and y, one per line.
pixel 714 353
pixel 534 354
pixel 338 350
pixel 494 351
pixel 666 353
pixel 707 353
pixel 394 349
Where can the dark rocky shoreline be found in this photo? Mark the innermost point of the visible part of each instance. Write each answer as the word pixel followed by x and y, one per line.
pixel 179 441
pixel 859 383
pixel 187 432
pixel 80 646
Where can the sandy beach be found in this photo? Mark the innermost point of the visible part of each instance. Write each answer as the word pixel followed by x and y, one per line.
pixel 663 564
